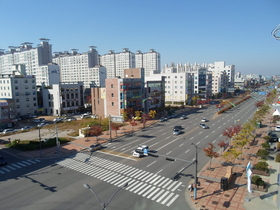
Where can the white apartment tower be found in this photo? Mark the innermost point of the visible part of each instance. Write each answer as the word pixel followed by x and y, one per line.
pixel 21 89
pixel 80 67
pixel 115 63
pixel 149 61
pixel 37 61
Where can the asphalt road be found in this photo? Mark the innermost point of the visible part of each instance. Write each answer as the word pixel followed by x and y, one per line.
pixel 58 183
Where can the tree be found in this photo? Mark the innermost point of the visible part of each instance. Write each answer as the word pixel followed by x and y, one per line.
pixel 95 130
pixel 115 127
pixel 231 131
pixel 209 152
pixel 231 155
pixel 259 103
pixel 152 113
pixel 262 153
pixel 222 145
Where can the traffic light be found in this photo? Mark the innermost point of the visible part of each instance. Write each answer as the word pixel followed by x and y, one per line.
pixel 152 154
pixel 176 177
pixel 170 159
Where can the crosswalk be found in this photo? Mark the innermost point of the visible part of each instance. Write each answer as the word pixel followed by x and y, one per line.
pixel 18 165
pixel 146 184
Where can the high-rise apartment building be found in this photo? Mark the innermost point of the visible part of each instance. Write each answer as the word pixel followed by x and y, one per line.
pixel 81 67
pixel 115 63
pixel 150 61
pixel 37 61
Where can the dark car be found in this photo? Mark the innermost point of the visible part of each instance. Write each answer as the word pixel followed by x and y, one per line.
pixel 3 161
pixel 94 147
pixel 177 127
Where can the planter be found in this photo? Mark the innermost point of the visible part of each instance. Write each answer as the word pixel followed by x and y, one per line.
pixel 259 188
pixel 259 172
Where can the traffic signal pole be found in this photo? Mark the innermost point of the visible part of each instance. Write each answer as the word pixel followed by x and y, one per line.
pixel 195 176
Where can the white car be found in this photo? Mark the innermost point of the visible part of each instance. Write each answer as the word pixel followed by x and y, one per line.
pixel 204 120
pixel 183 117
pixel 177 132
pixel 277 128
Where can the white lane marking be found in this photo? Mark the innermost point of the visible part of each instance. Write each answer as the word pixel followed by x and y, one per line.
pixel 159 171
pixel 151 163
pixel 168 152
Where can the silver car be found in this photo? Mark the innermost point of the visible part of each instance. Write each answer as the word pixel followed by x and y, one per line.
pixel 202 125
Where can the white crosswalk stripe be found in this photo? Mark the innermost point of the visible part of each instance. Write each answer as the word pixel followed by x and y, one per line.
pixel 146 184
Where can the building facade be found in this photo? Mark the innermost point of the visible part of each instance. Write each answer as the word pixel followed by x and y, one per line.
pixel 63 98
pixel 37 61
pixel 22 90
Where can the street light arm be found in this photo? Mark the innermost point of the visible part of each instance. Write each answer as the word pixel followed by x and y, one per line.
pixel 121 187
pixel 88 187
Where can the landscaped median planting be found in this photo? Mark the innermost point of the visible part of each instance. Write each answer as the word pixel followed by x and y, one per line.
pixel 26 145
pixel 236 103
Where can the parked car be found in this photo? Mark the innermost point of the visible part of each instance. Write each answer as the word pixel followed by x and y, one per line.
pixel 58 119
pixel 162 119
pixel 183 117
pixel 3 161
pixel 25 128
pixel 94 147
pixel 36 120
pixel 277 128
pixel 70 119
pixel 177 132
pixel 9 130
pixel 177 127
pixel 202 125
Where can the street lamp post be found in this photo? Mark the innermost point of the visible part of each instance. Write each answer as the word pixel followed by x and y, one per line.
pixel 57 142
pixel 104 205
pixel 39 127
pixel 195 176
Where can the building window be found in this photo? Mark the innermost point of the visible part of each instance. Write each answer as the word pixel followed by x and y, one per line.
pixel 112 94
pixel 112 86
pixel 16 87
pixel 26 86
pixel 112 103
pixel 16 81
pixel 18 106
pixel 27 99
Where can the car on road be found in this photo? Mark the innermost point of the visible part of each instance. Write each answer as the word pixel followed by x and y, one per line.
pixel 25 128
pixel 177 127
pixel 139 152
pixel 9 130
pixel 162 119
pixel 94 147
pixel 277 128
pixel 177 132
pixel 202 125
pixel 183 117
pixel 3 161
pixel 204 120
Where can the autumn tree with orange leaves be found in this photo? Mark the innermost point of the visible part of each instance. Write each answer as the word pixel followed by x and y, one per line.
pixel 231 131
pixel 222 145
pixel 209 152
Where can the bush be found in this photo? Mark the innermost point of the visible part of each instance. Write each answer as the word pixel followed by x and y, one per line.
pixel 257 180
pixel 266 145
pixel 267 138
pixel 262 166
pixel 262 153
pixel 277 158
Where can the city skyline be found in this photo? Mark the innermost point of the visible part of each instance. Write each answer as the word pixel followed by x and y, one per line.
pixel 236 32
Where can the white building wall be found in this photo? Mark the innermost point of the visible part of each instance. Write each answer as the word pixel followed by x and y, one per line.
pixel 22 89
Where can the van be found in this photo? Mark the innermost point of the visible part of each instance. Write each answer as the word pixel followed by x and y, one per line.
pixel 85 116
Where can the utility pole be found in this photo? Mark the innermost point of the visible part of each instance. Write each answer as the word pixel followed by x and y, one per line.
pixel 57 142
pixel 195 176
pixel 110 128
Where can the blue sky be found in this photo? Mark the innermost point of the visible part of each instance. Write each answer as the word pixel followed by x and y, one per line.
pixel 182 31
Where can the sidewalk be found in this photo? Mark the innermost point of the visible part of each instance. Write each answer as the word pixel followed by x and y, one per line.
pixel 81 143
pixel 210 196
